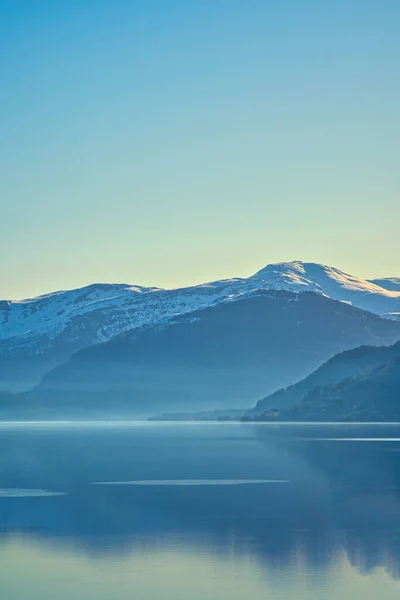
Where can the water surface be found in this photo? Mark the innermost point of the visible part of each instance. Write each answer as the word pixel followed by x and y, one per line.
pixel 216 511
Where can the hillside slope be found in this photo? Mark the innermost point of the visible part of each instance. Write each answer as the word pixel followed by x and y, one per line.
pixel 38 334
pixel 226 355
pixel 361 384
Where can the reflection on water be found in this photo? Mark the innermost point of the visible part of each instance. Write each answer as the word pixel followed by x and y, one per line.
pixel 200 511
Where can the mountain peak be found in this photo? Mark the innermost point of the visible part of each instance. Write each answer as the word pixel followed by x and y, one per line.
pixel 321 278
pixel 59 323
pixel 300 267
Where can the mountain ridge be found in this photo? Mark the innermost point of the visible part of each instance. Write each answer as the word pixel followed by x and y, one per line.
pixel 229 354
pixel 37 334
pixel 362 383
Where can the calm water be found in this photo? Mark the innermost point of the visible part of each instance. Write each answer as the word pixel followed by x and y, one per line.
pixel 171 512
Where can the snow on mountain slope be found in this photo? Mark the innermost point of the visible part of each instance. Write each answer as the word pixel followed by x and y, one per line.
pixel 300 276
pixel 388 283
pixel 49 312
pixel 64 322
pixel 79 318
pixel 224 355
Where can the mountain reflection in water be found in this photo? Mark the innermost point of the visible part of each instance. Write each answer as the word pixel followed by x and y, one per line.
pixel 221 510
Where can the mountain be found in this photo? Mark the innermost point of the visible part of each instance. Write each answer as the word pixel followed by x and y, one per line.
pixel 345 365
pixel 389 283
pixel 361 384
pixel 374 397
pixel 229 354
pixel 38 334
pixel 298 276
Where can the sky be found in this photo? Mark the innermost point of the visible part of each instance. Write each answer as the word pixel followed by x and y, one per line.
pixel 172 142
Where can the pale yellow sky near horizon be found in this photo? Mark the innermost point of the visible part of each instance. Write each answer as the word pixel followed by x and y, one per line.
pixel 172 143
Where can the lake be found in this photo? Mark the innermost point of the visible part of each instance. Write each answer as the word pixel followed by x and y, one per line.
pixel 202 511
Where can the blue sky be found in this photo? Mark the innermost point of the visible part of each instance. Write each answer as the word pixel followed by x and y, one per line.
pixel 170 142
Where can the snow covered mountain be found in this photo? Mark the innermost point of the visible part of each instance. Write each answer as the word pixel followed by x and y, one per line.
pixel 99 312
pixel 389 283
pixel 229 354
pixel 383 300
pixel 37 334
